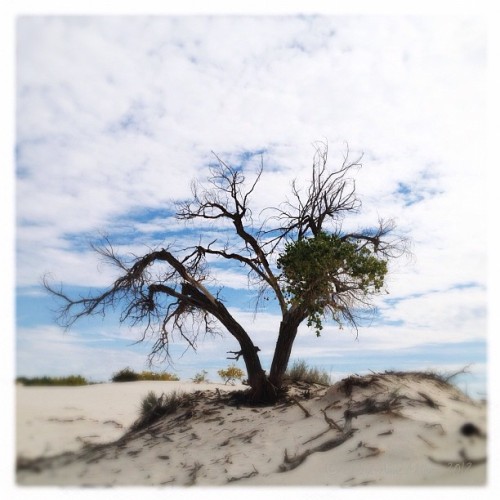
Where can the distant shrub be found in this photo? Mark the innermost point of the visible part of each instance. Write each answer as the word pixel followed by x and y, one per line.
pixel 301 372
pixel 128 375
pixel 231 374
pixel 125 375
pixel 163 376
pixel 200 377
pixel 70 380
pixel 153 407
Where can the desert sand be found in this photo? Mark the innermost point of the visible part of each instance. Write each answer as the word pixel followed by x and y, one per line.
pixel 381 429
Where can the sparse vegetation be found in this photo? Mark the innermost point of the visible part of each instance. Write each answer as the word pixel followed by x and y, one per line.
pixel 153 407
pixel 125 375
pixel 128 375
pixel 70 380
pixel 440 378
pixel 200 377
pixel 148 403
pixel 162 376
pixel 301 372
pixel 231 374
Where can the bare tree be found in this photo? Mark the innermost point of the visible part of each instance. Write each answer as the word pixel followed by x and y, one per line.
pixel 170 291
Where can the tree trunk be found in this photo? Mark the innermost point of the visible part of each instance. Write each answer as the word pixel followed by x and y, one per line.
pixel 262 391
pixel 286 337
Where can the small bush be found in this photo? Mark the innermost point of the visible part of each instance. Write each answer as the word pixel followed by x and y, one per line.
pixel 125 375
pixel 301 372
pixel 231 374
pixel 200 377
pixel 128 375
pixel 70 380
pixel 153 407
pixel 148 403
pixel 163 376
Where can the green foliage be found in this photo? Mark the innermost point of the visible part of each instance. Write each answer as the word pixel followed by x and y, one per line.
pixel 200 377
pixel 153 407
pixel 318 270
pixel 301 372
pixel 128 375
pixel 70 380
pixel 231 374
pixel 148 403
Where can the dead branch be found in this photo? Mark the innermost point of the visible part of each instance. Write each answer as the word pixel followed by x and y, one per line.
pixel 465 369
pixel 306 412
pixel 352 381
pixel 246 437
pixel 245 476
pixel 331 422
pixel 369 406
pixel 331 425
pixel 386 433
pixel 240 353
pixel 427 442
pixel 317 436
pixel 429 401
pixel 373 451
pixel 291 463
pixel 193 473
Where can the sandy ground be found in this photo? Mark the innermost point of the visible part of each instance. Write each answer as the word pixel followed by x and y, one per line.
pixel 385 429
pixel 53 420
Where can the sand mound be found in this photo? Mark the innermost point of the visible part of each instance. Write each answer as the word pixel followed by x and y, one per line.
pixel 380 429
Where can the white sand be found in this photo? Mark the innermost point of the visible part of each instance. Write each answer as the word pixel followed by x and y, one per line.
pixel 211 443
pixel 53 420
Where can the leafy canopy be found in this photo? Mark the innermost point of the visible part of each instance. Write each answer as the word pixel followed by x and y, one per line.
pixel 322 272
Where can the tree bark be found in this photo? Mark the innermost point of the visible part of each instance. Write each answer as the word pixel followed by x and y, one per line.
pixel 286 337
pixel 262 391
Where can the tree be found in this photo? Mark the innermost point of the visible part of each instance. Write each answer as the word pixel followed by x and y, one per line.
pixel 299 255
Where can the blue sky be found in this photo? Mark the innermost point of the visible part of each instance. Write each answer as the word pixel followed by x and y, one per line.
pixel 116 115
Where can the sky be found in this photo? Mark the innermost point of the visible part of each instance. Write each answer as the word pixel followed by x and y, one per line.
pixel 115 116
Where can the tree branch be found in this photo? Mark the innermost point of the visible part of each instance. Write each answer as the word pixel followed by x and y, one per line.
pixel 227 199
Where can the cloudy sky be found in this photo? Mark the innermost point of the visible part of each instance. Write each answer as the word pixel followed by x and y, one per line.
pixel 116 115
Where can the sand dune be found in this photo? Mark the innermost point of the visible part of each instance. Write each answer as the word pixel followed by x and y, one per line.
pixel 381 429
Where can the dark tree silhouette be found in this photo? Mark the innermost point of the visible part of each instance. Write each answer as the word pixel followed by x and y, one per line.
pixel 299 254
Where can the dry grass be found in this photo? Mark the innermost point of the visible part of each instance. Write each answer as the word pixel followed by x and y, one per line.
pixel 301 372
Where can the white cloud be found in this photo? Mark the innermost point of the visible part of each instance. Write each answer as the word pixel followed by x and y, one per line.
pixel 118 114
pixel 46 350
